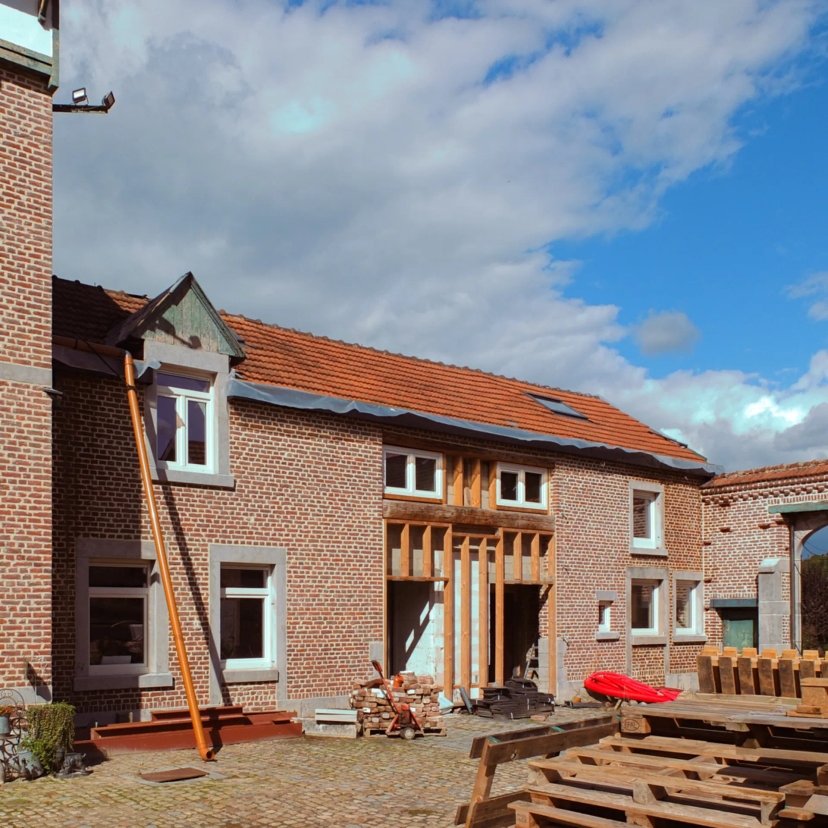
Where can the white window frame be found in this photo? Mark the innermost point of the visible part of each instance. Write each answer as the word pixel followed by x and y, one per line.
pixel 658 587
pixel 410 489
pixel 133 669
pixel 521 502
pixel 268 659
pixel 653 545
pixel 604 616
pixel 182 396
pixel 694 634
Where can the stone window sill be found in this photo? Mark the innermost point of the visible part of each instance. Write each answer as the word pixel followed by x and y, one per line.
pixel 137 682
pixel 250 676
pixel 607 636
pixel 689 638
pixel 649 553
pixel 648 640
pixel 220 481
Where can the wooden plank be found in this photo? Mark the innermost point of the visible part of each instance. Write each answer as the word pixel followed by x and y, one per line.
pixel 744 666
pixel 536 557
pixel 823 670
pixel 492 484
pixel 491 808
pixel 448 615
pixel 768 677
pixel 552 743
pixel 559 816
pixel 405 551
pixel 458 483
pixel 411 511
pixel 689 814
pixel 787 680
pixel 552 613
pixel 727 674
pixel 465 614
pixel 476 484
pixel 707 679
pixel 807 669
pixel 483 613
pixel 428 553
pixel 517 557
pixel 482 783
pixel 500 565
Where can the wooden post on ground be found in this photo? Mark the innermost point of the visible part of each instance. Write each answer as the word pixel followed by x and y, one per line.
pixel 448 614
pixel 465 614
pixel 500 567
pixel 483 613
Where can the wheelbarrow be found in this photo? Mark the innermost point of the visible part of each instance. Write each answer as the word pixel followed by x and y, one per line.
pixel 404 724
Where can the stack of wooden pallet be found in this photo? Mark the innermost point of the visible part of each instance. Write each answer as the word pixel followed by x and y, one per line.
pixel 749 673
pixel 375 713
pixel 517 699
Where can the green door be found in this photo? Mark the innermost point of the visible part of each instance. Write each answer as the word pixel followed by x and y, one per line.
pixel 739 627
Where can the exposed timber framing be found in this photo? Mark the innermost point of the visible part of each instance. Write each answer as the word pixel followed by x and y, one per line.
pixel 413 512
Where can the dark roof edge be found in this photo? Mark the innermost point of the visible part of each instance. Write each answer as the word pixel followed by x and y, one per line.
pixel 307 401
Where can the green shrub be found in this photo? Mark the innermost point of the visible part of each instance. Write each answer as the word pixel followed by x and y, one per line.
pixel 51 730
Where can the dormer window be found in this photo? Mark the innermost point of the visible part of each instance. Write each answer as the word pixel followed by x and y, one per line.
pixel 185 421
pixel 411 473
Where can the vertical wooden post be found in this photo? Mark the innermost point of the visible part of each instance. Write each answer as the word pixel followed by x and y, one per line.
pixel 448 614
pixel 476 484
pixel 428 554
pixel 536 557
pixel 492 484
pixel 465 614
pixel 500 573
pixel 552 611
pixel 483 613
pixel 517 557
pixel 405 551
pixel 459 483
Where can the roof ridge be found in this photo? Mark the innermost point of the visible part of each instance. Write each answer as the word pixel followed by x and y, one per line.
pixel 802 464
pixel 411 358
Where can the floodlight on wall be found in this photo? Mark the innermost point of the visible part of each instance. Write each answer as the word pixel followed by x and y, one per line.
pixel 80 103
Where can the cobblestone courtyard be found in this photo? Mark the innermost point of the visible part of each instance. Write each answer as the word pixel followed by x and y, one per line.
pixel 292 782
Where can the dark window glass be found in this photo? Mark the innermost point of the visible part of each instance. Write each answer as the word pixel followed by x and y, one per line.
pixel 247 578
pixel 116 631
pixel 184 383
pixel 643 617
pixel 196 433
pixel 532 486
pixel 425 474
pixel 118 576
pixel 508 485
pixel 242 628
pixel 395 470
pixel 167 424
pixel 642 517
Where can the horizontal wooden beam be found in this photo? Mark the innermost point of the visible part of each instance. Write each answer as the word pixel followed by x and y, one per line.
pixel 405 510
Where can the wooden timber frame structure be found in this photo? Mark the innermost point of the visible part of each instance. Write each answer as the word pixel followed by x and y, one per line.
pixel 457 544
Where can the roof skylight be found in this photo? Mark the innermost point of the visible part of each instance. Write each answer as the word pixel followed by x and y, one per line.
pixel 558 406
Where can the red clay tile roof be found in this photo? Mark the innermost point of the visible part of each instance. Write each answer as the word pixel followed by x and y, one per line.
pixel 288 358
pixel 767 474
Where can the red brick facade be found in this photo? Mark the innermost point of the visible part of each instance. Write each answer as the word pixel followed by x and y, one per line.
pixel 25 361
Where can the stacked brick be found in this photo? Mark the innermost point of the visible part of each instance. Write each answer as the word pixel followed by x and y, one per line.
pixel 420 692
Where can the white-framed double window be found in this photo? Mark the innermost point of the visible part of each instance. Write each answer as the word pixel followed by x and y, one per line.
pixel 646 516
pixel 645 606
pixel 412 473
pixel 521 486
pixel 185 421
pixel 118 618
pixel 247 636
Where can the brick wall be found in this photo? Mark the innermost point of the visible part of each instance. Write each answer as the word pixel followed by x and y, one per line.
pixel 25 410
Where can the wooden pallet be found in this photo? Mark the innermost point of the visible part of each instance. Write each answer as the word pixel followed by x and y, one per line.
pixel 749 673
pixel 661 781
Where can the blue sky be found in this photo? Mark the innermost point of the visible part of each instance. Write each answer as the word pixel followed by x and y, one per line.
pixel 613 198
pixel 727 242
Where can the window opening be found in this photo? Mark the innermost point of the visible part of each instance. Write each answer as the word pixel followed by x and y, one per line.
pixel 644 607
pixel 646 519
pixel 686 606
pixel 521 486
pixel 558 406
pixel 184 413
pixel 604 616
pixel 417 474
pixel 246 617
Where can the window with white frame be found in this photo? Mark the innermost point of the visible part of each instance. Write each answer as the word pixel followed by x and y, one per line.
pixel 413 473
pixel 688 612
pixel 521 486
pixel 604 616
pixel 118 618
pixel 184 426
pixel 646 511
pixel 645 599
pixel 247 635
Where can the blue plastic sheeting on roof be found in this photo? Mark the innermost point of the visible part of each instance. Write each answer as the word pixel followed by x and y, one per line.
pixel 306 401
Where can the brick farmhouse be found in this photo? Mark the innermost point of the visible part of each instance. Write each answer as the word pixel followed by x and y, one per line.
pixel 325 504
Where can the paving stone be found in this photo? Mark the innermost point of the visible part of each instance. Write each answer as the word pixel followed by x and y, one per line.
pixel 281 784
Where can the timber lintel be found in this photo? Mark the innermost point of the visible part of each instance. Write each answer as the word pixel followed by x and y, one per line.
pixel 467 515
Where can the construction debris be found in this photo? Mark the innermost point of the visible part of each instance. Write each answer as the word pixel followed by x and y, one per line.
pixel 517 699
pixel 374 711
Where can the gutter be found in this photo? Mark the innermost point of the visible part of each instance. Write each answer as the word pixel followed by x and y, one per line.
pixel 307 401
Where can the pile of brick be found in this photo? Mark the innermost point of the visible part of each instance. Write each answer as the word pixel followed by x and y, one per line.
pixel 419 692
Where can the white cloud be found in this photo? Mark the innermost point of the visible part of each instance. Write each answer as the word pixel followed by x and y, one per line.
pixel 666 331
pixel 346 169
pixel 815 287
